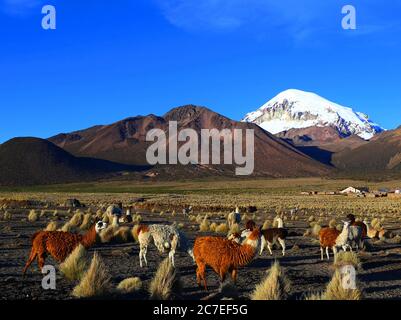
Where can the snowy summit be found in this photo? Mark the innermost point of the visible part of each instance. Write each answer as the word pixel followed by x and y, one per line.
pixel 294 109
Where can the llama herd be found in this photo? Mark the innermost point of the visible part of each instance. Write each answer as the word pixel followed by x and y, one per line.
pixel 352 234
pixel 224 255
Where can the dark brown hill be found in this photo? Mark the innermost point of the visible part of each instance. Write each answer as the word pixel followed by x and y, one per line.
pixel 124 142
pixel 33 161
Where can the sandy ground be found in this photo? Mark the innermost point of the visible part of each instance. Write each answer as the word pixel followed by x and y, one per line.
pixel 379 277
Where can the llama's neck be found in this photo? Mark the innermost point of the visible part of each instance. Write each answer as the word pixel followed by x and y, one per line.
pixel 244 255
pixel 343 236
pixel 280 223
pixel 89 238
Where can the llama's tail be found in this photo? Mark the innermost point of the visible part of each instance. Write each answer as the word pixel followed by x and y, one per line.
pixel 34 236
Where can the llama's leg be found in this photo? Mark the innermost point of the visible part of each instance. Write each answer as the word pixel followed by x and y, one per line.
pixel 321 253
pixel 171 257
pixel 282 243
pixel 140 258
pixel 145 251
pixel 142 254
pixel 202 271
pixel 269 247
pixel 335 252
pixel 198 277
pixel 327 253
pixel 141 247
pixel 263 245
pixel 41 260
pixel 32 257
pixel 234 274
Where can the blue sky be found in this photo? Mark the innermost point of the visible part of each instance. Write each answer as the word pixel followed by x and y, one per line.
pixel 109 60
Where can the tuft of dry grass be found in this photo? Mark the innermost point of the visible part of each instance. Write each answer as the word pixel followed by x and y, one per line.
pixel 96 280
pixel 316 229
pixel 395 240
pixel 344 258
pixel 52 226
pixel 375 223
pixel 99 214
pixel 199 219
pixel 76 219
pixel 222 228
pixel 235 228
pixel 33 216
pixel 314 296
pixel 130 285
pixel 7 215
pixel 204 226
pixel 67 227
pixel 166 284
pixel 87 222
pixel 275 286
pixel 122 235
pixel 137 218
pixel 73 268
pixel 106 235
pixel 213 226
pixel 275 222
pixel 266 225
pixel 106 218
pixel 335 290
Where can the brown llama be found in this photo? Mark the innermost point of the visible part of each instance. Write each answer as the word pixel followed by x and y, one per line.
pixel 60 244
pixel 331 238
pixel 223 255
pixel 272 236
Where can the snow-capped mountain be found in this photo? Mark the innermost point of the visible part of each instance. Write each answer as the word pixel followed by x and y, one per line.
pixel 293 109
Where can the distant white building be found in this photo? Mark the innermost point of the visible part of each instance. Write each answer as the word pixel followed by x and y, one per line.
pixel 397 191
pixel 351 190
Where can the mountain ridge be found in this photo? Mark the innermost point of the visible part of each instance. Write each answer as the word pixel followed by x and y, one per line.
pixel 124 141
pixel 296 109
